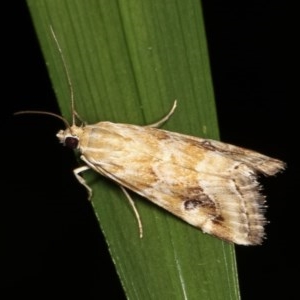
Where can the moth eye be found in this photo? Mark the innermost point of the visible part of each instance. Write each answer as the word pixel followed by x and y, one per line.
pixel 71 142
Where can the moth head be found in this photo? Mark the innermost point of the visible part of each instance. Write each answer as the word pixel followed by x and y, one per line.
pixel 69 137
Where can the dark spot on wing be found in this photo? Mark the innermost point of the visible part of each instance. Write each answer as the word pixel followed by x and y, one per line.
pixel 199 201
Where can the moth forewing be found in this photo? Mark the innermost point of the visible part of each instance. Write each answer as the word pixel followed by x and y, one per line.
pixel 208 184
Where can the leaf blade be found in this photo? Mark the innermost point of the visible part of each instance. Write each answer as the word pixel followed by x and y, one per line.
pixel 128 62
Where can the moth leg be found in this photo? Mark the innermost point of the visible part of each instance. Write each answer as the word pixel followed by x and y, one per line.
pixel 81 179
pixel 165 118
pixel 134 209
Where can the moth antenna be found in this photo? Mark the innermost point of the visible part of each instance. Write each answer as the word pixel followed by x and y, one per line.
pixel 44 113
pixel 74 113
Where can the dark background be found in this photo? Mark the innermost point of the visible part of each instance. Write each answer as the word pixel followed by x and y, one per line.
pixel 251 55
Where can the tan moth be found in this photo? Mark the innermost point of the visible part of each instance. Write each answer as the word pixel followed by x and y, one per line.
pixel 209 184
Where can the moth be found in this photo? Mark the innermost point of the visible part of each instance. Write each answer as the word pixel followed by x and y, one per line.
pixel 208 184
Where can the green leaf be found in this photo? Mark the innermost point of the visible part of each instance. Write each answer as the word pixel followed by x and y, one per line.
pixel 128 61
